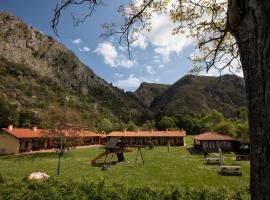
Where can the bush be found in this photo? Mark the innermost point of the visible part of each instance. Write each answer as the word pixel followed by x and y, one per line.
pixel 150 144
pixel 155 142
pixel 58 189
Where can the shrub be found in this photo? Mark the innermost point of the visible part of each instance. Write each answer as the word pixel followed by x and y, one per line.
pixel 155 142
pixel 58 189
pixel 150 144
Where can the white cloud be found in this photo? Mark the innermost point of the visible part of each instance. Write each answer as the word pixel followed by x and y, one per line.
pixel 150 70
pixel 125 62
pixel 130 82
pixel 118 75
pixel 161 66
pixel 216 72
pixel 85 48
pixel 109 53
pixel 161 38
pixel 123 48
pixel 157 59
pixel 111 56
pixel 77 41
pixel 141 42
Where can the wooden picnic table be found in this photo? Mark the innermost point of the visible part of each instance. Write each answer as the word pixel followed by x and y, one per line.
pixel 213 161
pixel 231 170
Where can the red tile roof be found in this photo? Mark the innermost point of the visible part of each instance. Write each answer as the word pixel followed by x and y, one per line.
pixel 102 135
pixel 148 134
pixel 30 133
pixel 213 136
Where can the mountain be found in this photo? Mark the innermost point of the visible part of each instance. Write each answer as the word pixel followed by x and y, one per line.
pixel 40 78
pixel 147 92
pixel 194 94
pixel 40 75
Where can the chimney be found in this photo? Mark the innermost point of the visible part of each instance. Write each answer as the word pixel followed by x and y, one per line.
pixel 152 130
pixel 125 130
pixel 138 130
pixel 35 128
pixel 167 130
pixel 10 127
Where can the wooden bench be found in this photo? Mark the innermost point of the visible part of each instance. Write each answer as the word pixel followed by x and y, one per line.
pixel 213 161
pixel 231 170
pixel 242 157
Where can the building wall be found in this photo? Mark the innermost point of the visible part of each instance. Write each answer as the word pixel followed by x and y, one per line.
pixel 8 144
pixel 161 141
pixel 213 146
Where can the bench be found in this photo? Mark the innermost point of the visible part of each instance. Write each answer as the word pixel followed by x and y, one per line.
pixel 231 170
pixel 242 157
pixel 213 161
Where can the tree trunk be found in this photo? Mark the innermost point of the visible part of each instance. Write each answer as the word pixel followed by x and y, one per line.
pixel 249 22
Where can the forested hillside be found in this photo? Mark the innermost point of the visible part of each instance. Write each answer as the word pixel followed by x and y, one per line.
pixel 40 77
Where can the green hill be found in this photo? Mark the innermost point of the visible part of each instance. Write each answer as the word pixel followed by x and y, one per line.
pixel 194 94
pixel 40 77
pixel 147 92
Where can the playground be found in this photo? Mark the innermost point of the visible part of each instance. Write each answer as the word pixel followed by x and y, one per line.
pixel 161 168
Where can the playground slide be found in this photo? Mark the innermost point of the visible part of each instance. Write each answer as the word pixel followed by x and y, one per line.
pixel 98 157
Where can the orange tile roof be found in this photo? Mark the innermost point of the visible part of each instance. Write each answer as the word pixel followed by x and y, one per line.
pixel 30 133
pixel 213 136
pixel 147 134
pixel 102 135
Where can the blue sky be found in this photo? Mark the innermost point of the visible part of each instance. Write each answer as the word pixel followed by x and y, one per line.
pixel 156 56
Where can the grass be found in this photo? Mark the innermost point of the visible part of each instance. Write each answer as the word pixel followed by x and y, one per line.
pixel 161 169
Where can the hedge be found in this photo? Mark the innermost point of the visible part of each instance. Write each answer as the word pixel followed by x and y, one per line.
pixel 54 188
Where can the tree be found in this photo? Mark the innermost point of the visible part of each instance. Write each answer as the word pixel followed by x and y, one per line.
pixel 149 125
pixel 211 119
pixel 131 126
pixel 225 127
pixel 190 124
pixel 242 132
pixel 243 114
pixel 64 131
pixel 105 125
pixel 28 119
pixel 8 113
pixel 166 123
pixel 214 117
pixel 226 31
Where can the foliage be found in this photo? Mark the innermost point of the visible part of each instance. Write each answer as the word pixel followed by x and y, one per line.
pixel 8 113
pixel 28 119
pixel 149 125
pixel 131 126
pixel 210 119
pixel 225 127
pixel 195 94
pixel 150 144
pixel 155 142
pixel 192 125
pixel 27 98
pixel 105 125
pixel 57 189
pixel 243 114
pixel 167 123
pixel 242 132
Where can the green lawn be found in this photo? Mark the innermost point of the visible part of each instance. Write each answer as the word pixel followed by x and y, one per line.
pixel 161 169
